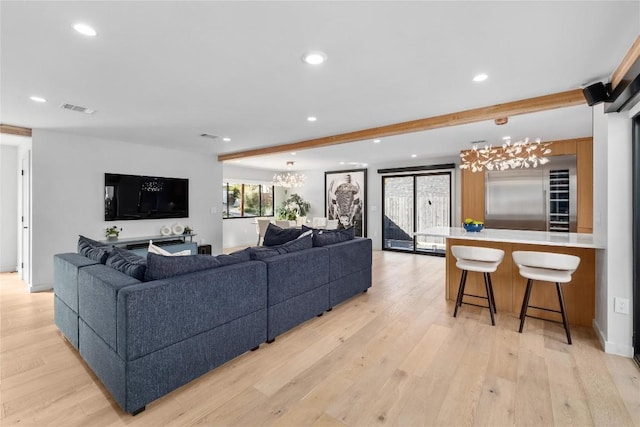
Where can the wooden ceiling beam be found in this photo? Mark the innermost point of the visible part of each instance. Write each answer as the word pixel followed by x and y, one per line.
pixel 15 130
pixel 531 105
pixel 629 59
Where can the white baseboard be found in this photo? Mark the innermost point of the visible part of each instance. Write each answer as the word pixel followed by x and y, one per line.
pixel 40 288
pixel 611 347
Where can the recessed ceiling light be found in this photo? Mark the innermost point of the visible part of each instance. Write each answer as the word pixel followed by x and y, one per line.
pixel 226 139
pixel 314 57
pixel 414 155
pixel 37 99
pixel 85 29
pixel 312 119
pixel 480 77
pixel 294 153
pixel 506 138
pixel 342 163
pixel 376 141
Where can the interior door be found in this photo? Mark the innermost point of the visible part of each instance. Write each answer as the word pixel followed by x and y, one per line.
pixel 25 267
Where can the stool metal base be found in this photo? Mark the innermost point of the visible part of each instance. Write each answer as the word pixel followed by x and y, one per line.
pixel 562 311
pixel 490 297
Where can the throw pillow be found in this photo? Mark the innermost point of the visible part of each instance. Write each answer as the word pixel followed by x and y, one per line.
pixel 159 251
pixel 329 237
pixel 277 236
pixel 163 267
pixel 93 250
pixel 128 263
pixel 301 243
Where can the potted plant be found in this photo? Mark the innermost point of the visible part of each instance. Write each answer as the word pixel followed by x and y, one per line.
pixel 112 233
pixel 293 207
pixel 187 230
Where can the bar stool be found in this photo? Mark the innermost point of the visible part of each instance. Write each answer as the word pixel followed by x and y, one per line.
pixel 481 260
pixel 546 267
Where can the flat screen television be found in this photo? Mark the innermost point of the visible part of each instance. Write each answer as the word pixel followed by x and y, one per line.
pixel 128 197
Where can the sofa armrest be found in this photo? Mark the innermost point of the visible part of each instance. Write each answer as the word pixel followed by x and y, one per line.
pixel 98 287
pixel 65 277
pixel 349 257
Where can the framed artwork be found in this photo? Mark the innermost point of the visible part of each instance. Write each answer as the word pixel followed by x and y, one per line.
pixel 345 199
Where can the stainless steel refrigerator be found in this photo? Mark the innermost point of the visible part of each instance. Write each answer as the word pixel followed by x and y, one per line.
pixel 542 198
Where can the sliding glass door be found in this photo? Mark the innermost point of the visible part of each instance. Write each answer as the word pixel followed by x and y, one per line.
pixel 413 203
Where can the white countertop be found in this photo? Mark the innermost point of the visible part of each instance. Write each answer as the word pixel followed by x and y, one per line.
pixel 577 240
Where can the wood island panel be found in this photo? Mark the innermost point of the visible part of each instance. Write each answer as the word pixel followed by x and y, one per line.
pixel 509 286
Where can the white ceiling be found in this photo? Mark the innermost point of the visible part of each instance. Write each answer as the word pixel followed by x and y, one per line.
pixel 163 72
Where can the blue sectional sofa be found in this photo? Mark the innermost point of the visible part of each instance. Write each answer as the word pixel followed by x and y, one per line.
pixel 144 339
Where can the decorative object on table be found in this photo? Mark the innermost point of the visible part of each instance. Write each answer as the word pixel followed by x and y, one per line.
pixel 293 207
pixel 112 233
pixel 519 154
pixel 187 230
pixel 177 229
pixel 470 224
pixel 346 199
pixel 165 230
pixel 288 179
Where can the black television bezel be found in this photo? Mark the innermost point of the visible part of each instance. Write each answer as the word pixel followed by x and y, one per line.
pixel 181 214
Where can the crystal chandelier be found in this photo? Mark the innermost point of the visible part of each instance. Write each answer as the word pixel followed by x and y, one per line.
pixel 520 154
pixel 288 179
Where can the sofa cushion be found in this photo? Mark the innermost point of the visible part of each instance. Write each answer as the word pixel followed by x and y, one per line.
pixel 162 267
pixel 323 237
pixel 277 236
pixel 304 241
pixel 93 250
pixel 128 263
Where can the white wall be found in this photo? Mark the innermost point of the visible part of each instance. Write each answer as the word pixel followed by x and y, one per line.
pixel 9 207
pixel 68 193
pixel 613 224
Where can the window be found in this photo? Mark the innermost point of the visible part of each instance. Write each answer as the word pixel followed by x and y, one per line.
pixel 246 200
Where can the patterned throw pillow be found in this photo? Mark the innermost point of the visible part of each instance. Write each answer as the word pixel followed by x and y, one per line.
pixel 159 251
pixel 94 250
pixel 128 263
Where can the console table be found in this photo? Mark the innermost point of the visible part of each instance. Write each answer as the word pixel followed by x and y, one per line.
pixel 172 243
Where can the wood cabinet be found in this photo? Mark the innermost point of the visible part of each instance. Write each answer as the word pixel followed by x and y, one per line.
pixel 473 183
pixel 509 286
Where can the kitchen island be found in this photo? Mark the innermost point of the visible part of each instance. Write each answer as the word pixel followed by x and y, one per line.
pixel 509 286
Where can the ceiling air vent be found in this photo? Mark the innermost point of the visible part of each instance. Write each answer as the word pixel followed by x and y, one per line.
pixel 77 108
pixel 208 135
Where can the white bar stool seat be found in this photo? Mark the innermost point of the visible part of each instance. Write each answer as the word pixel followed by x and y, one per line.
pixel 545 267
pixel 480 260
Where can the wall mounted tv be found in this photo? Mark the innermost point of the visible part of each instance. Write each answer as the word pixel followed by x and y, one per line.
pixel 129 197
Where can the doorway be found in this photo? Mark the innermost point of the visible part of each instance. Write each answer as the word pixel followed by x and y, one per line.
pixel 25 232
pixel 412 203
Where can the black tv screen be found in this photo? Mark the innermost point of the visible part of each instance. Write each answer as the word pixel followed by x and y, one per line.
pixel 144 197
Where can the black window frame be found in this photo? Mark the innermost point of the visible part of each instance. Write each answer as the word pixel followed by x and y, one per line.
pixel 242 195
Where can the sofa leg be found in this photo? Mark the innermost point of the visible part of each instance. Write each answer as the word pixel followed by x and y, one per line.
pixel 137 411
pixel 255 348
pixel 331 308
pixel 365 291
pixel 319 315
pixel 271 340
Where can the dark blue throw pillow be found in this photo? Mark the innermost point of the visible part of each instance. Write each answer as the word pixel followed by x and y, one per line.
pixel 304 241
pixel 275 235
pixel 128 263
pixel 163 267
pixel 94 250
pixel 329 237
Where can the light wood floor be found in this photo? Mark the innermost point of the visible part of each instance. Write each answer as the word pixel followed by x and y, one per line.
pixel 392 356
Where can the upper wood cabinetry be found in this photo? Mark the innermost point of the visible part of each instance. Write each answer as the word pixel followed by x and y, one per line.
pixel 473 183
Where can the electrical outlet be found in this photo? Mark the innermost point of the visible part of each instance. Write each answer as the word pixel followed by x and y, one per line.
pixel 621 305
